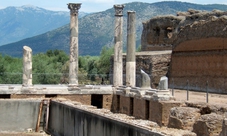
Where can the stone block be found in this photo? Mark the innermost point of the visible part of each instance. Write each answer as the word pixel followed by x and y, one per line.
pixel 208 125
pixel 183 117
pixel 160 111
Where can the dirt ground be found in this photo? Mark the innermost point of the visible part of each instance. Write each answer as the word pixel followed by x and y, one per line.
pixel 181 95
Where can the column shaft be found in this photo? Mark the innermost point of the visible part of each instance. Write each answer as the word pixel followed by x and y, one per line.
pixel 117 72
pixel 131 47
pixel 73 58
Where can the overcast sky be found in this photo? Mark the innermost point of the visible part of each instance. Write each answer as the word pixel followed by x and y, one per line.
pixel 88 5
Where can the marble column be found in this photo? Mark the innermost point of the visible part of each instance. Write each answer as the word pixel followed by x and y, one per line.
pixel 131 47
pixel 73 58
pixel 27 66
pixel 117 72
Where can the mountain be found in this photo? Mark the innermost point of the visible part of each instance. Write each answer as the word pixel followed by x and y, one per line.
pixel 18 23
pixel 97 30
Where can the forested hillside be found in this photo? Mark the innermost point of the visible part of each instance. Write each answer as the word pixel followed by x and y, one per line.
pixel 97 30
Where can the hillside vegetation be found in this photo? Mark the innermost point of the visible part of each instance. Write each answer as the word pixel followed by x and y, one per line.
pixel 97 30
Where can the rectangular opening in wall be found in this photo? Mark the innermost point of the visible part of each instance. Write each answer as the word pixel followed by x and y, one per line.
pixel 50 95
pixel 131 106
pixel 97 100
pixel 147 109
pixel 4 96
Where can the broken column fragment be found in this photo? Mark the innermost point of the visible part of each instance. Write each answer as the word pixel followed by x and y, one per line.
pixel 163 84
pixel 27 66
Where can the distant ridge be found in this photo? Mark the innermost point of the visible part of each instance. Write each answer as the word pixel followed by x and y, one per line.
pixel 97 30
pixel 18 23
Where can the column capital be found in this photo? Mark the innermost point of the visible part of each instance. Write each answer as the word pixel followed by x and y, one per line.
pixel 131 12
pixel 119 10
pixel 74 7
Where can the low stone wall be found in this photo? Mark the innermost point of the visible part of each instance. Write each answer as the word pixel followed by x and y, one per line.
pixel 18 115
pixel 71 121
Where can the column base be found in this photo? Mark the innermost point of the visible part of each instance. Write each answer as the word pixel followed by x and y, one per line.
pixel 73 87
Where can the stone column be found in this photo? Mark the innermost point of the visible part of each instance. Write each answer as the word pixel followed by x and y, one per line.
pixel 117 73
pixel 27 66
pixel 131 47
pixel 73 58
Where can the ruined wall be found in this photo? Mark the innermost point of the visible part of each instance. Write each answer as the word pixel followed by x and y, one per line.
pixel 159 33
pixel 199 54
pixel 155 64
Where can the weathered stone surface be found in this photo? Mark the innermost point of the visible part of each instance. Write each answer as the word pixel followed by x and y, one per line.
pixel 183 117
pixel 27 66
pixel 199 53
pixel 163 84
pixel 117 69
pixel 208 125
pixel 208 108
pixel 159 33
pixel 199 43
pixel 73 57
pixel 155 64
pixel 131 47
pixel 224 128
pixel 160 111
pixel 107 101
pixel 145 82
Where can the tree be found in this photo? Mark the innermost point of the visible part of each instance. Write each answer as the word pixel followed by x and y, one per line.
pixel 104 61
pixel 138 49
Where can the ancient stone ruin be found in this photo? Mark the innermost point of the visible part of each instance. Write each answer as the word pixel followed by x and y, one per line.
pixel 198 43
pixel 199 53
pixel 195 42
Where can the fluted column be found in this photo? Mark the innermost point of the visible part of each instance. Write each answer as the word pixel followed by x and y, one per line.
pixel 131 47
pixel 27 66
pixel 117 73
pixel 73 58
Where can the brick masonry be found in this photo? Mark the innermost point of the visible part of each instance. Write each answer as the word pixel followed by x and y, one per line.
pixel 139 108
pixel 107 101
pixel 125 105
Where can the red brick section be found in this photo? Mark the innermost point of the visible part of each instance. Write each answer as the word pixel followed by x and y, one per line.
pixel 125 105
pixel 160 111
pixel 139 109
pixel 107 101
pixel 82 98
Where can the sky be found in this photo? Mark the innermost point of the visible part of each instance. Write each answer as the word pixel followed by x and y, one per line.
pixel 89 5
